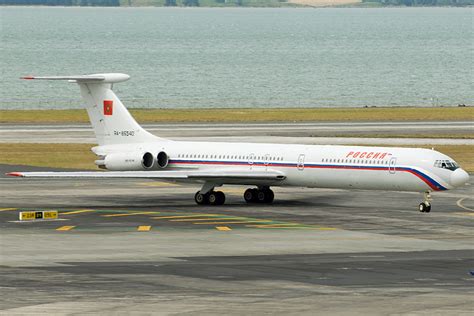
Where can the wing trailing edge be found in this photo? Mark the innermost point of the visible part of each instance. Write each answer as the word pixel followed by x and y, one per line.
pixel 222 176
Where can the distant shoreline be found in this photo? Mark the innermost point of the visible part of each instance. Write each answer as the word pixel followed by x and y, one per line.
pixel 272 4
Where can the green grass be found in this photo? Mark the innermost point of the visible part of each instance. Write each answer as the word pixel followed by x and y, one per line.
pixel 79 156
pixel 252 115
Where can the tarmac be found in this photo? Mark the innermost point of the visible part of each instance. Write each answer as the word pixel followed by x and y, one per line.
pixel 143 247
pixel 298 132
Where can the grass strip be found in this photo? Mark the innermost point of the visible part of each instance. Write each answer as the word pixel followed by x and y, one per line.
pixel 76 156
pixel 79 156
pixel 252 115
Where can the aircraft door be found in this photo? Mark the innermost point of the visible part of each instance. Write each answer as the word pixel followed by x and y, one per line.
pixel 251 160
pixel 266 161
pixel 300 164
pixel 392 165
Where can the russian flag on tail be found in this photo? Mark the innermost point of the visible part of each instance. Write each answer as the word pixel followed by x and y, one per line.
pixel 108 107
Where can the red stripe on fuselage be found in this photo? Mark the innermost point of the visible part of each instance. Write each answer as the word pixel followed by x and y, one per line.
pixel 295 165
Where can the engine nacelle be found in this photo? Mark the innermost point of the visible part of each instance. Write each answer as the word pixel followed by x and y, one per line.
pixel 127 161
pixel 162 159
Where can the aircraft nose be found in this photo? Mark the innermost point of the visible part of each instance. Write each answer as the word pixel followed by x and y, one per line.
pixel 459 177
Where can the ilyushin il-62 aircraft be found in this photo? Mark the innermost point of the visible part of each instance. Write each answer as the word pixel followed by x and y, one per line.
pixel 126 150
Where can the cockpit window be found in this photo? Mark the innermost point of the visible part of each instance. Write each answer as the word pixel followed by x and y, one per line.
pixel 446 164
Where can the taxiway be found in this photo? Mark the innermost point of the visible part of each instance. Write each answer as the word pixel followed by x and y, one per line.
pixel 304 133
pixel 144 247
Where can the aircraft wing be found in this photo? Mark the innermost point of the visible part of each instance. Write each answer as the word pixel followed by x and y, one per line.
pixel 220 176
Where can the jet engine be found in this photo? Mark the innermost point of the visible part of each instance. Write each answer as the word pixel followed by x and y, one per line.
pixel 127 161
pixel 162 159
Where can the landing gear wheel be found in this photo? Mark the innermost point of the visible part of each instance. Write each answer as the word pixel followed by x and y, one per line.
pixel 201 199
pixel 264 195
pixel 269 196
pixel 250 195
pixel 216 198
pixel 261 196
pixel 424 207
pixel 220 197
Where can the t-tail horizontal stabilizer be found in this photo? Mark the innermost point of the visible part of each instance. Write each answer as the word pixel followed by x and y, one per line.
pixel 97 78
pixel 111 121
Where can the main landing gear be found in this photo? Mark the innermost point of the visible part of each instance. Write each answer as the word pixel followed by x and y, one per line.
pixel 210 198
pixel 257 195
pixel 260 195
pixel 425 206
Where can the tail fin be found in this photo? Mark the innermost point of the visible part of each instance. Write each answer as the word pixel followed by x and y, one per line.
pixel 111 121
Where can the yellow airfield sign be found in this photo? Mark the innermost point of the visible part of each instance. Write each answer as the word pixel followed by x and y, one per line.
pixel 38 215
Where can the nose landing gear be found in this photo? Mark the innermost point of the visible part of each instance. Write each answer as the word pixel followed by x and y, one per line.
pixel 425 206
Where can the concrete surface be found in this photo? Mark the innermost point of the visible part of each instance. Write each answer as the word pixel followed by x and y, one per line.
pixel 303 133
pixel 311 252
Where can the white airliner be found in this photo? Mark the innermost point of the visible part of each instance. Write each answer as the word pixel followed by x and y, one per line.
pixel 128 151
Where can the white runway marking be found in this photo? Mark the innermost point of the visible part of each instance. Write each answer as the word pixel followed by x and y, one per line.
pixel 459 203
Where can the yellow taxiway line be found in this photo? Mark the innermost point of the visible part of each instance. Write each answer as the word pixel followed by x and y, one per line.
pixel 7 209
pixel 465 213
pixel 65 228
pixel 184 216
pixel 76 212
pixel 223 228
pixel 237 222
pixel 204 219
pixel 291 226
pixel 144 228
pixel 158 184
pixel 281 224
pixel 129 214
